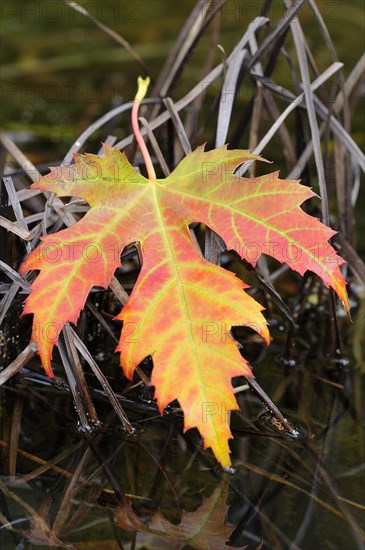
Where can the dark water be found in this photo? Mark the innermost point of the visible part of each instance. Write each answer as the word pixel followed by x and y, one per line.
pixel 157 488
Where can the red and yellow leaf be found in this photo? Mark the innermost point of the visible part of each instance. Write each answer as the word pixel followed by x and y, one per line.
pixel 182 307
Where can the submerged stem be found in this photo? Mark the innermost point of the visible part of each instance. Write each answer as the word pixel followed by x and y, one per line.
pixel 141 92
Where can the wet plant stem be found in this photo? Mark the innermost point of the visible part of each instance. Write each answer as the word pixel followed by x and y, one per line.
pixel 271 406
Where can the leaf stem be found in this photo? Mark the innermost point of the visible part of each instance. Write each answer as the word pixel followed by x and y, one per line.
pixel 141 92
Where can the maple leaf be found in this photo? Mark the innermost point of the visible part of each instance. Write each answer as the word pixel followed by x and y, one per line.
pixel 182 307
pixel 204 529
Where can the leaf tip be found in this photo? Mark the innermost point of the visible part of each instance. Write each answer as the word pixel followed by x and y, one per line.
pixel 265 333
pixel 343 295
pixel 263 159
pixel 222 452
pixel 46 357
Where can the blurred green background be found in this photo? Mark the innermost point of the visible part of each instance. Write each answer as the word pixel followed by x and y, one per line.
pixel 60 72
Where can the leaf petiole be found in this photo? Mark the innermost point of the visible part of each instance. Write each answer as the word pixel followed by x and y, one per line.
pixel 141 93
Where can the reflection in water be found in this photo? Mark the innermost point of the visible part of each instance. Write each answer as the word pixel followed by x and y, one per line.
pixel 204 528
pixel 266 420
